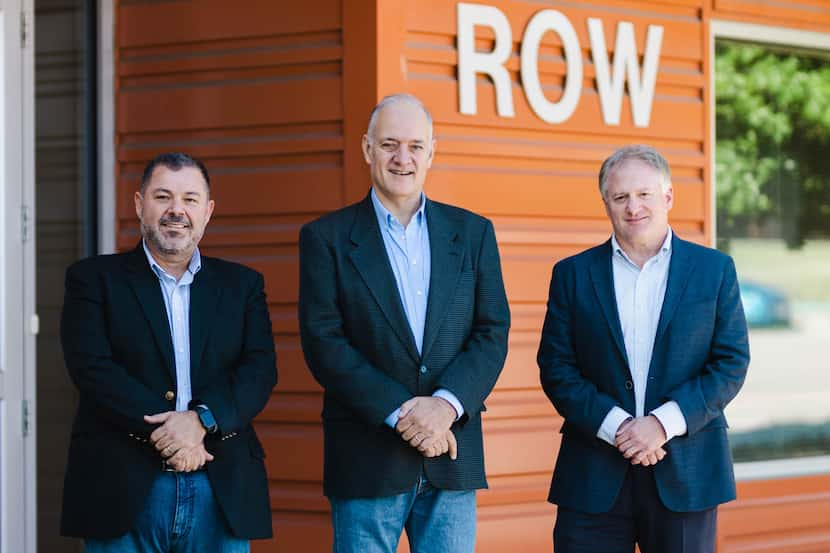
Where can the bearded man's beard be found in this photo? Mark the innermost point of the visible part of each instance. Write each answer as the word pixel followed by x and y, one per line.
pixel 155 238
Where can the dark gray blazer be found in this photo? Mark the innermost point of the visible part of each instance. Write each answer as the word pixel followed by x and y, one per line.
pixel 700 359
pixel 358 345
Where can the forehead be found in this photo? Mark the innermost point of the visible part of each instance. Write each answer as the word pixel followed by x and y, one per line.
pixel 633 174
pixel 186 180
pixel 402 121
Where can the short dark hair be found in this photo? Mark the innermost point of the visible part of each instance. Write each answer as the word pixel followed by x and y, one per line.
pixel 173 161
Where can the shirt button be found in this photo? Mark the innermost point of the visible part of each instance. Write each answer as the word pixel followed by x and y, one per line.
pixel 420 293
pixel 629 385
pixel 423 369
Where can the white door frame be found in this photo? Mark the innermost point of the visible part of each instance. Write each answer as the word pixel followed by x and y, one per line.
pixel 18 326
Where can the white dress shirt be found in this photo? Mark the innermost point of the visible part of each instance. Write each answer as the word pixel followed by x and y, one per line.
pixel 411 260
pixel 639 294
pixel 177 304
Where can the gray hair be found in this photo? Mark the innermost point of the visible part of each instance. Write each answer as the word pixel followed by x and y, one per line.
pixel 396 99
pixel 640 152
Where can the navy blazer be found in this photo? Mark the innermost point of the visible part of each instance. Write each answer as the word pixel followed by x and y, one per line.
pixel 358 345
pixel 700 359
pixel 119 353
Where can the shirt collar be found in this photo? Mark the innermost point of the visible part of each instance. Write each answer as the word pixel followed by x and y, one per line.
pixel 193 267
pixel 664 249
pixel 387 220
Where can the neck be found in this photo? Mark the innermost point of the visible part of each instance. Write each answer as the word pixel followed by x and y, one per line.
pixel 402 208
pixel 639 253
pixel 175 265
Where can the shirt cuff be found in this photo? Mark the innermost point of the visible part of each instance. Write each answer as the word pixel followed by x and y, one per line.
pixel 392 419
pixel 443 393
pixel 672 419
pixel 608 429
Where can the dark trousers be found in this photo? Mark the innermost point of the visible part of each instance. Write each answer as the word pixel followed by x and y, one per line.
pixel 637 517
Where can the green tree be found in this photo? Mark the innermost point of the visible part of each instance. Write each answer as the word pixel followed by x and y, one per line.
pixel 773 141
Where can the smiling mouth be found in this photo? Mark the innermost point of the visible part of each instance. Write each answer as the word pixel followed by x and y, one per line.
pixel 401 173
pixel 175 226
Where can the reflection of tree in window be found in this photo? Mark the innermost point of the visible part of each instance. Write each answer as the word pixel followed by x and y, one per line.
pixel 773 143
pixel 773 216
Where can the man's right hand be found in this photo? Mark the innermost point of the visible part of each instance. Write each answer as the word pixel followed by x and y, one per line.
pixel 440 445
pixel 188 459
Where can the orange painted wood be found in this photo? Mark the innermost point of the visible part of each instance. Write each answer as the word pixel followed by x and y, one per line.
pixel 275 96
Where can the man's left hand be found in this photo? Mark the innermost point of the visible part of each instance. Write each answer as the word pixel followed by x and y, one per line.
pixel 425 418
pixel 178 430
pixel 641 440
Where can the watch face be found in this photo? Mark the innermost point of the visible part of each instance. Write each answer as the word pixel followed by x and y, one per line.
pixel 207 418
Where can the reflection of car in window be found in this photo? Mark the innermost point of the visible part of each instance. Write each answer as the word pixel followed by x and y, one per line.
pixel 764 305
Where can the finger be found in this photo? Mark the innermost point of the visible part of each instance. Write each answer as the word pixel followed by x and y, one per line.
pixel 158 418
pixel 407 406
pixel 660 453
pixel 452 448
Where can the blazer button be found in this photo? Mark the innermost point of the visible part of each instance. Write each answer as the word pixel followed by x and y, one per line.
pixel 629 385
pixel 169 395
pixel 423 369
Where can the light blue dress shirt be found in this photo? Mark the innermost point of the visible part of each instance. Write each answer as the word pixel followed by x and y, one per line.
pixel 410 258
pixel 640 293
pixel 177 304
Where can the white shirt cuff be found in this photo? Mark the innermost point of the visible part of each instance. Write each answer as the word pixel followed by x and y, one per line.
pixel 672 419
pixel 443 393
pixel 392 419
pixel 608 429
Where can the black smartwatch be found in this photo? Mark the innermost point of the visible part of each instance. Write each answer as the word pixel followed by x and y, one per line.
pixel 206 417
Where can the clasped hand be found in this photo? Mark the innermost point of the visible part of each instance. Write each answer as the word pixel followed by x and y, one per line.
pixel 179 439
pixel 424 422
pixel 641 440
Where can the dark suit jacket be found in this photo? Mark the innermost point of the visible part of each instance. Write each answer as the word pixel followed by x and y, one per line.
pixel 700 358
pixel 358 344
pixel 119 352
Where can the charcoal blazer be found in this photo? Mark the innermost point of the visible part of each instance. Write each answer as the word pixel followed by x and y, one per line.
pixel 700 359
pixel 359 346
pixel 119 353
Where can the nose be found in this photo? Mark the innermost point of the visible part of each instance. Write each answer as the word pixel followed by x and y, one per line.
pixel 632 205
pixel 402 155
pixel 176 207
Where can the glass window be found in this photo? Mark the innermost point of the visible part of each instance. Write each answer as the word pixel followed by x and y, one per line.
pixel 773 217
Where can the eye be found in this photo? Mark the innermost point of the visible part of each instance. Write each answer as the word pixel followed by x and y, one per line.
pixel 192 201
pixel 162 197
pixel 388 146
pixel 417 147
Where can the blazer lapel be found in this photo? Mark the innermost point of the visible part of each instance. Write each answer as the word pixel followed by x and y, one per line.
pixel 205 293
pixel 446 255
pixel 146 286
pixel 603 281
pixel 680 268
pixel 372 263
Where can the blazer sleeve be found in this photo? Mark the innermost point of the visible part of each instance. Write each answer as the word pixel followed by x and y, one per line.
pixel 575 397
pixel 704 397
pixel 334 362
pixel 88 355
pixel 254 374
pixel 472 375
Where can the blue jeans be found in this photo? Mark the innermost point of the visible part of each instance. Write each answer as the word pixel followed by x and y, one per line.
pixel 436 521
pixel 180 516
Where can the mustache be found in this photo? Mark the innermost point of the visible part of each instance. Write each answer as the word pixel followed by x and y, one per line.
pixel 174 219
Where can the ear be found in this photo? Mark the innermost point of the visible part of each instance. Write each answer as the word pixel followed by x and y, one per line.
pixel 669 195
pixel 432 152
pixel 367 149
pixel 139 204
pixel 210 207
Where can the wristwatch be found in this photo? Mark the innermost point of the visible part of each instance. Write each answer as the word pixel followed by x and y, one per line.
pixel 206 417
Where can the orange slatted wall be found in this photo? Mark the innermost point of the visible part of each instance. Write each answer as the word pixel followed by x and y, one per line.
pixel 274 96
